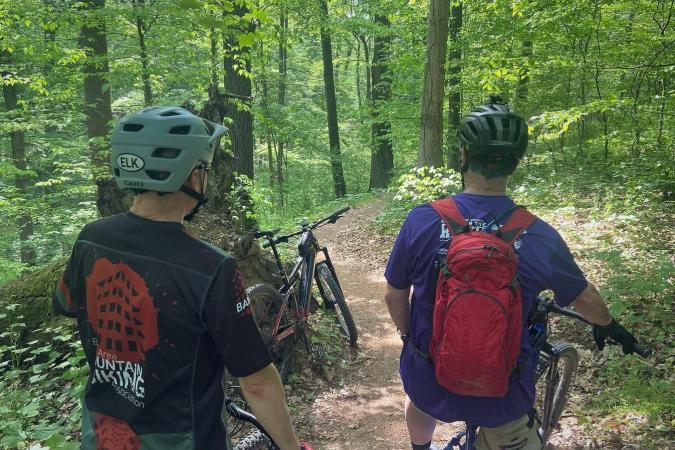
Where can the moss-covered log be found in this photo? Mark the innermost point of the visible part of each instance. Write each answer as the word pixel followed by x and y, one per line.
pixel 31 294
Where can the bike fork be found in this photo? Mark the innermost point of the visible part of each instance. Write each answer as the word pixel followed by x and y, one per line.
pixel 324 250
pixel 551 383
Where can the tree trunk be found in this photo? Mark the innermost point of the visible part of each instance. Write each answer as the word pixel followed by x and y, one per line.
pixel 214 58
pixel 21 181
pixel 369 77
pixel 141 30
pixel 268 118
pixel 454 93
pixel 662 110
pixel 97 109
pixel 358 78
pixel 430 151
pixel 238 100
pixel 281 92
pixel 331 106
pixel 382 157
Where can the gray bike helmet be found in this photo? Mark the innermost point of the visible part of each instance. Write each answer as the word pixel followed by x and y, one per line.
pixel 493 129
pixel 156 148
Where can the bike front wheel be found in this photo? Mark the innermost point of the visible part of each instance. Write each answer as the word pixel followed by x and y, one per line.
pixel 267 304
pixel 566 360
pixel 334 301
pixel 255 441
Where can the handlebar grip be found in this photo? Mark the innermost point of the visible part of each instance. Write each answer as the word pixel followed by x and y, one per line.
pixel 341 211
pixel 642 350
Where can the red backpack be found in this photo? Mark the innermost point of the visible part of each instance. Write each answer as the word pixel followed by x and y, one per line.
pixel 478 316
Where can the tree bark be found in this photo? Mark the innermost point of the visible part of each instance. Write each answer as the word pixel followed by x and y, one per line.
pixel 21 181
pixel 97 108
pixel 141 30
pixel 331 106
pixel 430 151
pixel 454 93
pixel 381 157
pixel 238 96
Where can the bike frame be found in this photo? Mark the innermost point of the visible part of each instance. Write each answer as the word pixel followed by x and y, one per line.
pixel 298 281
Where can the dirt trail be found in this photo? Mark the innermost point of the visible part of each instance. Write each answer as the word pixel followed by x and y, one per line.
pixel 367 411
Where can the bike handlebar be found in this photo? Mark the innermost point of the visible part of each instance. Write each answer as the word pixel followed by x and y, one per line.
pixel 265 233
pixel 269 234
pixel 238 413
pixel 551 306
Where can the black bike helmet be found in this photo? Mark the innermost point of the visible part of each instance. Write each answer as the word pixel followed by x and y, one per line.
pixel 493 129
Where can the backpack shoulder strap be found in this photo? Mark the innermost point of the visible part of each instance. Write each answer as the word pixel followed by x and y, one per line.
pixel 520 219
pixel 453 218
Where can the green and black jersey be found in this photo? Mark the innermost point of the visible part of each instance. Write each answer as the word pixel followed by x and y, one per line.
pixel 160 315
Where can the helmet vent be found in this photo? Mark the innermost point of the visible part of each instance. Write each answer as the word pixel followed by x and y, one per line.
pixel 473 128
pixel 158 174
pixel 506 127
pixel 132 127
pixel 493 128
pixel 166 153
pixel 516 135
pixel 170 113
pixel 181 129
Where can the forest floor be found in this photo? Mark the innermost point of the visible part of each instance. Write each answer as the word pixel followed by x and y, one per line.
pixel 363 406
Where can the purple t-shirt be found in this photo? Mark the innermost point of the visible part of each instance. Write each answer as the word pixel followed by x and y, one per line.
pixel 544 262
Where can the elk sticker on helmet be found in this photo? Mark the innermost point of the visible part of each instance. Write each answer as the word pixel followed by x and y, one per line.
pixel 130 162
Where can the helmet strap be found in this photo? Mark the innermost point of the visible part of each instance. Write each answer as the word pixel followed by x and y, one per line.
pixel 201 200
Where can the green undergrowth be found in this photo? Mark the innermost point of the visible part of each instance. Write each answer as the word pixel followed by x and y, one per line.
pixel 617 217
pixel 40 385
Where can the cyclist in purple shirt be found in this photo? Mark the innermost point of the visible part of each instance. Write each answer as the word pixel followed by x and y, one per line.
pixel 494 140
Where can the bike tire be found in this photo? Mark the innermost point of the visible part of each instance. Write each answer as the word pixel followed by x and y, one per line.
pixel 255 441
pixel 265 304
pixel 334 301
pixel 568 362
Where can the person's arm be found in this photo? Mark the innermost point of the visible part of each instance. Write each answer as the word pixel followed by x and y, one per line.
pixel 591 305
pixel 398 303
pixel 265 395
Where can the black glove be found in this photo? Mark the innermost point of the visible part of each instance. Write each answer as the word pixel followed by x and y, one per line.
pixel 616 332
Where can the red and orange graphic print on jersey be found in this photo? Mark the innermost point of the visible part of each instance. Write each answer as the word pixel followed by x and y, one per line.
pixel 114 434
pixel 121 311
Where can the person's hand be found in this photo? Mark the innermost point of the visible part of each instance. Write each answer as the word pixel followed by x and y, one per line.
pixel 616 332
pixel 305 446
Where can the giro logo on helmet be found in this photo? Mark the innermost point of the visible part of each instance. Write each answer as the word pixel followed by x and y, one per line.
pixel 130 162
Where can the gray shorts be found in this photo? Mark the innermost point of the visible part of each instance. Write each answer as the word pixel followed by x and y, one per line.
pixel 521 434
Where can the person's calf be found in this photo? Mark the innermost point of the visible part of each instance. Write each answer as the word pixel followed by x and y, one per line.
pixel 420 426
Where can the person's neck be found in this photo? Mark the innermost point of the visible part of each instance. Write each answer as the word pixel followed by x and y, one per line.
pixel 478 184
pixel 165 208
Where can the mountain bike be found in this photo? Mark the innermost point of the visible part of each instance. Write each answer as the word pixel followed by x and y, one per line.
pixel 282 314
pixel 556 368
